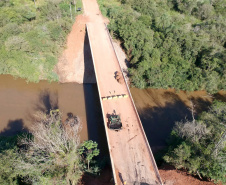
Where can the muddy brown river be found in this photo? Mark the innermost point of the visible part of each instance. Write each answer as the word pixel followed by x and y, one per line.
pixel 158 109
pixel 20 100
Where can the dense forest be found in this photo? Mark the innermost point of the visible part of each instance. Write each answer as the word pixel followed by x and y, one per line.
pixel 200 145
pixel 172 43
pixel 32 35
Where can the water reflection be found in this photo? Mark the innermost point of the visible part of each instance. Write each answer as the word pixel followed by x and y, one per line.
pixel 47 101
pixel 14 127
pixel 160 109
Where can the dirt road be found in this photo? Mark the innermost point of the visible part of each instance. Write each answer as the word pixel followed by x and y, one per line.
pixel 75 64
pixel 131 157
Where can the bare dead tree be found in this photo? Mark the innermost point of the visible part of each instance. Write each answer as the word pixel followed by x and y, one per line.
pixel 53 143
pixel 193 130
pixel 52 136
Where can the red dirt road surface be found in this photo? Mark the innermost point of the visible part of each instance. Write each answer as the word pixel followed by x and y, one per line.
pixel 131 156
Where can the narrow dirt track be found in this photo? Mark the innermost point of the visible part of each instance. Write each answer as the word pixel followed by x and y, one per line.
pixel 131 157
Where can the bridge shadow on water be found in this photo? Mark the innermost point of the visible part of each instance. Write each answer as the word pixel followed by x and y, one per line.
pixel 95 124
pixel 89 73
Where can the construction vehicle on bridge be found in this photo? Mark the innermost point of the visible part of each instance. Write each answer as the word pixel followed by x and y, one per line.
pixel 115 122
pixel 119 77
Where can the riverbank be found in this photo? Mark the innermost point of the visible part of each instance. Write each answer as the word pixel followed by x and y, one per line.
pixel 158 109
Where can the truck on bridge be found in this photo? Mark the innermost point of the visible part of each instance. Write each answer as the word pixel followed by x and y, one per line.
pixel 115 121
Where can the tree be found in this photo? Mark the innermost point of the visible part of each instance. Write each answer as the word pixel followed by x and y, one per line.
pixel 88 150
pixel 163 21
pixel 186 6
pixel 200 145
pixel 180 46
pixel 52 149
pixel 49 154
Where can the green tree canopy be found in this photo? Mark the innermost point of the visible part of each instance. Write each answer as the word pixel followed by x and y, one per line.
pixel 50 154
pixel 171 43
pixel 200 145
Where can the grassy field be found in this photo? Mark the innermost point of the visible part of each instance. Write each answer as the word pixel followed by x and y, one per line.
pixel 33 35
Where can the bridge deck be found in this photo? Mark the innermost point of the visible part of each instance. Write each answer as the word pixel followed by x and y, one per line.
pixel 131 157
pixel 132 160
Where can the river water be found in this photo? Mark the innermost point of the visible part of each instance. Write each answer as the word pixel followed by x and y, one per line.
pixel 158 109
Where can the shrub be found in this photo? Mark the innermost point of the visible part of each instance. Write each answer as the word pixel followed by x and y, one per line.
pixel 200 145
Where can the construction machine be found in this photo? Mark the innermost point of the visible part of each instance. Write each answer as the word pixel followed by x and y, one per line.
pixel 115 122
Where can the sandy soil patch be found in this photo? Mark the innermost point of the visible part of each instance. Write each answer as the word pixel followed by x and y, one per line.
pixel 70 67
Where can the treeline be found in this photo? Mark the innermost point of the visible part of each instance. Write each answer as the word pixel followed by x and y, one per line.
pixel 172 43
pixel 200 145
pixel 50 154
pixel 32 35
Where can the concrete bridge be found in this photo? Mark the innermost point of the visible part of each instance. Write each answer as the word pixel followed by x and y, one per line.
pixel 131 156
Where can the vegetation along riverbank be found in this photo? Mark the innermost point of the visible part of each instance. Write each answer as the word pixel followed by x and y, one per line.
pixel 176 44
pixel 50 154
pixel 175 54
